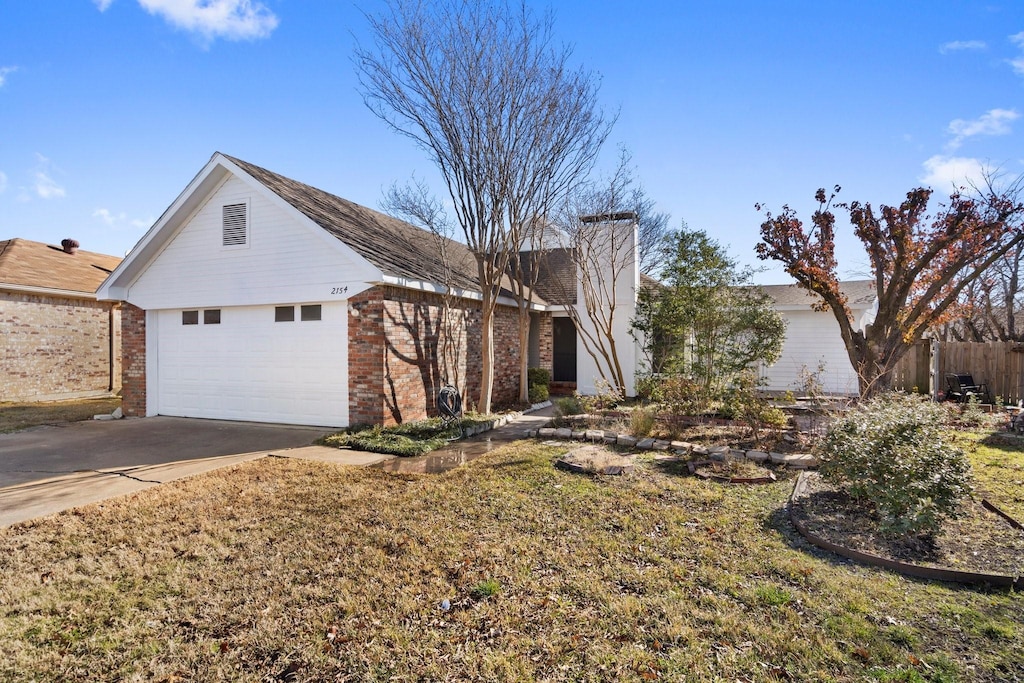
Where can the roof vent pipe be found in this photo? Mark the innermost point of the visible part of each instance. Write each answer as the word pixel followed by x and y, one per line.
pixel 70 245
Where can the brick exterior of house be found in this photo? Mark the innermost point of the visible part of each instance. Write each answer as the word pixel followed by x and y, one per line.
pixel 133 364
pixel 399 358
pixel 57 347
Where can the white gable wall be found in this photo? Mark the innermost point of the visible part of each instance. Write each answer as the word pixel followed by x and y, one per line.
pixel 285 261
pixel 812 337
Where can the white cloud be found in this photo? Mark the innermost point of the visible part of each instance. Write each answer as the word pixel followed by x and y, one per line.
pixel 1018 62
pixel 992 122
pixel 115 220
pixel 43 183
pixel 945 173
pixel 107 217
pixel 960 45
pixel 4 70
pixel 46 187
pixel 102 5
pixel 230 19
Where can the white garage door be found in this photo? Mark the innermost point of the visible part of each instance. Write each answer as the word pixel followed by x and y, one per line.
pixel 282 364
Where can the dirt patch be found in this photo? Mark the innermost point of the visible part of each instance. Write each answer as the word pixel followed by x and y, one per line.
pixel 596 459
pixel 980 541
pixel 732 471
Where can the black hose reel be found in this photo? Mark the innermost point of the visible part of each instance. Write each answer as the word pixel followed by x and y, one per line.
pixel 449 404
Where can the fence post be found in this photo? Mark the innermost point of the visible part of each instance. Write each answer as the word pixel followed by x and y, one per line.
pixel 934 372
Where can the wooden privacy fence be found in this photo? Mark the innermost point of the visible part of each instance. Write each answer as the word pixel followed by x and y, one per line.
pixel 998 364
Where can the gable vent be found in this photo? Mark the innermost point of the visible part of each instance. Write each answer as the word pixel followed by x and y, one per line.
pixel 234 226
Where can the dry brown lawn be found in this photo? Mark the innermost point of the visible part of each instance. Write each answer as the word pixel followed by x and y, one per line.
pixel 504 569
pixel 15 416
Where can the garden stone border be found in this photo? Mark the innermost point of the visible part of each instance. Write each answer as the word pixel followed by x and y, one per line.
pixel 502 420
pixel 906 568
pixel 796 461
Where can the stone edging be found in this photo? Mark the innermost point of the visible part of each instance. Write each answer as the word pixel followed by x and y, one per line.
pixel 915 570
pixel 799 461
pixel 502 420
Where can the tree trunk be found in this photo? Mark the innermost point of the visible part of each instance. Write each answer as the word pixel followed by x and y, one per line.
pixel 524 355
pixel 486 356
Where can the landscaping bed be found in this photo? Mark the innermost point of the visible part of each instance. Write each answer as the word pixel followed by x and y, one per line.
pixel 980 541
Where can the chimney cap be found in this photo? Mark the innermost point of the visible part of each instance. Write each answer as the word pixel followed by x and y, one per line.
pixel 609 217
pixel 70 246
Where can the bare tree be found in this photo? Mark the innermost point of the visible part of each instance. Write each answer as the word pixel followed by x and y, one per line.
pixel 652 229
pixel 602 232
pixel 478 85
pixel 414 204
pixel 990 307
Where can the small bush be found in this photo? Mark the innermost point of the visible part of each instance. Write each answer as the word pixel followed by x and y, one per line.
pixel 538 393
pixel 539 381
pixel 641 422
pixel 567 405
pixel 894 452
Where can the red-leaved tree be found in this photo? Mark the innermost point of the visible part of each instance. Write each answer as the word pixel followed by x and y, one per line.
pixel 921 263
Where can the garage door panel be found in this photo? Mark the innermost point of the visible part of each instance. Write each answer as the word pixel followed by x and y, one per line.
pixel 249 367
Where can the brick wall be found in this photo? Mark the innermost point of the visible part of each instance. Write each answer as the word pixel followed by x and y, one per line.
pixel 400 355
pixel 546 341
pixel 54 347
pixel 133 362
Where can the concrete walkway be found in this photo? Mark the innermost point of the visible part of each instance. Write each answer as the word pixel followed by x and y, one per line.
pixel 29 500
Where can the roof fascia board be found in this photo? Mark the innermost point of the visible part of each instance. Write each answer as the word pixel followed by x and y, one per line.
pixel 30 289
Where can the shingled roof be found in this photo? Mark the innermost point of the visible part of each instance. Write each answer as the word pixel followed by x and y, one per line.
pixel 859 294
pixel 24 263
pixel 397 248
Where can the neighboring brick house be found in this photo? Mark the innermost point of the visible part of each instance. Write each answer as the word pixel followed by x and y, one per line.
pixel 259 298
pixel 58 341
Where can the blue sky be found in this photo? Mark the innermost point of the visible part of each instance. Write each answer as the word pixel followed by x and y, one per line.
pixel 109 107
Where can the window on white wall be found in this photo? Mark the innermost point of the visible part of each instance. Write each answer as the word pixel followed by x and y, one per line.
pixel 235 225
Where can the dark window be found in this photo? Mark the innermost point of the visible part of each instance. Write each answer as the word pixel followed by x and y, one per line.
pixel 284 314
pixel 234 225
pixel 311 312
pixel 211 316
pixel 190 317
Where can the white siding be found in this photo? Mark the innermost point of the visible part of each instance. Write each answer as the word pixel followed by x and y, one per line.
pixel 626 279
pixel 286 260
pixel 812 337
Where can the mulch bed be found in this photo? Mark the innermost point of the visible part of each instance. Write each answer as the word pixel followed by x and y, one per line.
pixel 980 541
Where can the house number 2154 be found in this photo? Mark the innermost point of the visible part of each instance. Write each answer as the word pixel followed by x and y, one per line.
pixel 339 290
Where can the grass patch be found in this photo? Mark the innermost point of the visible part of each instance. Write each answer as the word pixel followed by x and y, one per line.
pixel 504 569
pixel 997 461
pixel 17 416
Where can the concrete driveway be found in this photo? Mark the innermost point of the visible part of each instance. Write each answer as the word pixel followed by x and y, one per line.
pixel 44 470
pixel 50 451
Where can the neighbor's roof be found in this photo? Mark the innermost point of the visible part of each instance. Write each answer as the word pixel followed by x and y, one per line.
pixel 35 265
pixel 859 294
pixel 395 247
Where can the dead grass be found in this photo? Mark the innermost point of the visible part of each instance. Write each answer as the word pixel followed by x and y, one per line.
pixel 15 416
pixel 505 569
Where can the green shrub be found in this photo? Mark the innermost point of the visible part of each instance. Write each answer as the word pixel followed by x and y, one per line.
pixel 539 381
pixel 538 393
pixel 567 405
pixel 539 376
pixel 894 452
